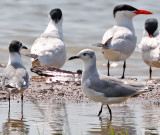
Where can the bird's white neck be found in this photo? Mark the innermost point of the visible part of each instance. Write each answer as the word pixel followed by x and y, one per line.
pixel 125 22
pixel 54 29
pixel 15 58
pixel 89 69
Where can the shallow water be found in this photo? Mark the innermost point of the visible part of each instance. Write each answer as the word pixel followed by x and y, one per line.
pixel 84 23
pixel 79 119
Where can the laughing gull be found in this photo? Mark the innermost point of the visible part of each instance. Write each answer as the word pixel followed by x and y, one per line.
pixel 150 44
pixel 119 42
pixel 15 78
pixel 101 88
pixel 50 47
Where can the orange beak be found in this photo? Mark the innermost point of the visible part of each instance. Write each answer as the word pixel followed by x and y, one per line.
pixel 150 36
pixel 140 11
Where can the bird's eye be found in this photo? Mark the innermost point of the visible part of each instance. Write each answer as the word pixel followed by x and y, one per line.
pixel 84 54
pixel 20 44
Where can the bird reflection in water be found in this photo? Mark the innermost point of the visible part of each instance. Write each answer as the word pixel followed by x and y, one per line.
pixel 15 126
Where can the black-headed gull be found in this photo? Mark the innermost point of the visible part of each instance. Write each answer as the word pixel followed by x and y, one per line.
pixel 101 88
pixel 119 42
pixel 15 78
pixel 150 45
pixel 50 47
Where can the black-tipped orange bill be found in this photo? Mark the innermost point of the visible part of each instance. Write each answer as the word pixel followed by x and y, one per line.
pixel 140 11
pixel 24 47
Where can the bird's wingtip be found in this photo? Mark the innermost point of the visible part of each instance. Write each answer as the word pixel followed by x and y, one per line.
pixel 3 65
pixel 34 56
pixel 98 45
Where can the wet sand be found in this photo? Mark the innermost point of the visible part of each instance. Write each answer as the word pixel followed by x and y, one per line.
pixel 59 86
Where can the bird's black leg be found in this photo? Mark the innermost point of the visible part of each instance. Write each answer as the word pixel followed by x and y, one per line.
pixel 9 98
pixel 150 73
pixel 22 105
pixel 124 67
pixel 110 112
pixel 108 65
pixel 100 110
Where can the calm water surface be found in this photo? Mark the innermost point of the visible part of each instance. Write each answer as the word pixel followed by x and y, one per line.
pixel 84 23
pixel 78 119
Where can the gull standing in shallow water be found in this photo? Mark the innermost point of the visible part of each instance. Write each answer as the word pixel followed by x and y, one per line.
pixel 50 47
pixel 150 45
pixel 119 42
pixel 104 89
pixel 15 78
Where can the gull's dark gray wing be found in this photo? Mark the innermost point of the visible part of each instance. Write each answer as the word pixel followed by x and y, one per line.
pixel 110 87
pixel 15 76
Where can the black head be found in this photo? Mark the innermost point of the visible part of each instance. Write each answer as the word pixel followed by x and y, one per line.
pixel 123 7
pixel 151 26
pixel 16 46
pixel 56 15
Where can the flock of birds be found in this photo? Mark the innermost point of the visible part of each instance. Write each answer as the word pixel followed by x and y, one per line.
pixel 118 43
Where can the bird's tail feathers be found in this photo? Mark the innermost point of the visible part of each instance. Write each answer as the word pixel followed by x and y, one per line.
pixel 34 56
pixel 3 65
pixel 135 84
pixel 9 86
pixel 98 44
pixel 141 91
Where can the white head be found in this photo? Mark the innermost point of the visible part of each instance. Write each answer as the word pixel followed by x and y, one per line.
pixel 126 11
pixel 85 55
pixel 89 58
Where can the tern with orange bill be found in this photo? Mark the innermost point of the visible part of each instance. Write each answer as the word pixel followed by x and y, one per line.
pixel 119 42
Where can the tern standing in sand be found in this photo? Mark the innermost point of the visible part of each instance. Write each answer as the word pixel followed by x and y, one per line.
pixel 15 78
pixel 50 47
pixel 119 42
pixel 150 45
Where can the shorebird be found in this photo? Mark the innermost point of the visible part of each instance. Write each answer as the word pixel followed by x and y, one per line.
pixel 150 45
pixel 15 78
pixel 119 42
pixel 50 47
pixel 101 88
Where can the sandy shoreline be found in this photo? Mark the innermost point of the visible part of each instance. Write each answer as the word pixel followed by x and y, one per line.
pixel 60 86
